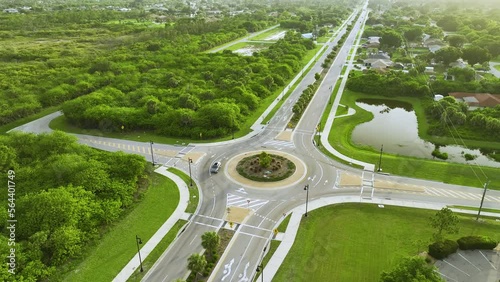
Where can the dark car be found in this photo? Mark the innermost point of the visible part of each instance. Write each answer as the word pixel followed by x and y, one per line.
pixel 215 167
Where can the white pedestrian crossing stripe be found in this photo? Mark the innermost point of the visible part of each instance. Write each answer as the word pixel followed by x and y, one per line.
pixel 279 144
pixel 244 202
pixel 460 195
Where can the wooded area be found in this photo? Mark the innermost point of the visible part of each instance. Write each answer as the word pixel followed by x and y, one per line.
pixel 67 195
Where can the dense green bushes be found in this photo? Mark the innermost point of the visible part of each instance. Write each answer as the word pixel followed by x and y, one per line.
pixel 392 84
pixel 442 249
pixel 66 195
pixel 476 243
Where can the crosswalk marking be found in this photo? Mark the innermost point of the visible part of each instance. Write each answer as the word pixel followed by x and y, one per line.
pixel 459 194
pixel 280 144
pixel 244 202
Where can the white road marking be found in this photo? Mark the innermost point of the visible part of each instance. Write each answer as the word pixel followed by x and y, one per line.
pixel 192 241
pixel 456 268
pixel 469 262
pixel 488 260
pixel 227 269
pixel 243 276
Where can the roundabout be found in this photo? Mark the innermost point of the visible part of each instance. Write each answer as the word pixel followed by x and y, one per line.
pixel 233 175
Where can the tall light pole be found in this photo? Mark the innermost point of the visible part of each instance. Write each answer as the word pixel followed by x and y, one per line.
pixel 260 267
pixel 190 161
pixel 482 199
pixel 319 133
pixel 152 155
pixel 380 159
pixel 307 197
pixel 139 241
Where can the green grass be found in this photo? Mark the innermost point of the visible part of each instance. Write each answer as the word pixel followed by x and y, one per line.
pixel 118 246
pixel 158 251
pixel 6 127
pixel 341 111
pixel 356 242
pixel 497 67
pixel 266 34
pixel 340 139
pixel 246 44
pixel 284 223
pixel 194 195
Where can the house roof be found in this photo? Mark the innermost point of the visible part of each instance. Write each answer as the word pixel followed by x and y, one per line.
pixel 381 56
pixel 478 99
pixel 381 64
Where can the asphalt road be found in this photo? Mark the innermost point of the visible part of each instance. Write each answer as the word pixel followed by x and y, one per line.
pixel 245 252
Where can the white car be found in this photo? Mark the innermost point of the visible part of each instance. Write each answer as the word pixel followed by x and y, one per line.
pixel 215 167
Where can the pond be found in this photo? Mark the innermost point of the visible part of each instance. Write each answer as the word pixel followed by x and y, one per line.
pixel 395 127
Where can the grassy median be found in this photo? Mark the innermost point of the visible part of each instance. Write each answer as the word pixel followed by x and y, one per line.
pixel 356 242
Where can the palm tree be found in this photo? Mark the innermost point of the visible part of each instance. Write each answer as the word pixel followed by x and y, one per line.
pixel 196 263
pixel 210 241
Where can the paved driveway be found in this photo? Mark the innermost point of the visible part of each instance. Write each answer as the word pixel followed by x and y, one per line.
pixel 471 266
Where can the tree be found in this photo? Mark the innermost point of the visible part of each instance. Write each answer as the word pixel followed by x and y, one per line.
pixel 444 221
pixel 456 40
pixel 414 33
pixel 264 159
pixel 448 55
pixel 317 76
pixel 412 269
pixel 391 39
pixel 196 264
pixel 210 241
pixel 449 23
pixel 475 54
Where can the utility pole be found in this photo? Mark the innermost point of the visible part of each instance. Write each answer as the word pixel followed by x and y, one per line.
pixel 380 159
pixel 190 161
pixel 307 197
pixel 139 241
pixel 482 199
pixel 152 155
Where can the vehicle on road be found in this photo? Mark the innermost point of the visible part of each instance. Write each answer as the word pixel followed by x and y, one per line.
pixel 215 167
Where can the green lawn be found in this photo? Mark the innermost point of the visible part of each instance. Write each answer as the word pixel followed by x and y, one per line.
pixel 266 34
pixel 497 67
pixel 463 174
pixel 105 260
pixel 356 242
pixel 194 195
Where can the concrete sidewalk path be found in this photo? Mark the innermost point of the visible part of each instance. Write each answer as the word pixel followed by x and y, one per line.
pixel 178 213
pixel 288 238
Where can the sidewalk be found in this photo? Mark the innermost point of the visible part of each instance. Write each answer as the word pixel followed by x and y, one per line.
pixel 291 231
pixel 178 213
pixel 333 111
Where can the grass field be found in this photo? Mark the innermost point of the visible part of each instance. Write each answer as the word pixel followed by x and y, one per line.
pixel 105 260
pixel 266 34
pixel 463 174
pixel 497 67
pixel 356 242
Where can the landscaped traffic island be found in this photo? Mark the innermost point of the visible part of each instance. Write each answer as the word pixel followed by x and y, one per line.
pixel 265 167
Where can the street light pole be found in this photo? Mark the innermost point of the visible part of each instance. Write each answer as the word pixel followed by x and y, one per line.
pixel 260 267
pixel 307 197
pixel 482 199
pixel 139 241
pixel 190 161
pixel 152 155
pixel 319 133
pixel 380 159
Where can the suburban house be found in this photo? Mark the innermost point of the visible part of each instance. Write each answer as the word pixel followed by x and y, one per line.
pixel 433 44
pixel 373 42
pixel 458 64
pixel 477 100
pixel 378 60
pixel 429 70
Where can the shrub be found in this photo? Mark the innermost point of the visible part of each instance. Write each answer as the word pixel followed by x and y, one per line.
pixel 442 249
pixel 476 243
pixel 437 154
pixel 469 157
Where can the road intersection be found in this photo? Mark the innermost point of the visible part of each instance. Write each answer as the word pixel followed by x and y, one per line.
pixel 267 206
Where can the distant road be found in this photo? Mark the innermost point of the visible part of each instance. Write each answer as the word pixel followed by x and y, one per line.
pixel 242 39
